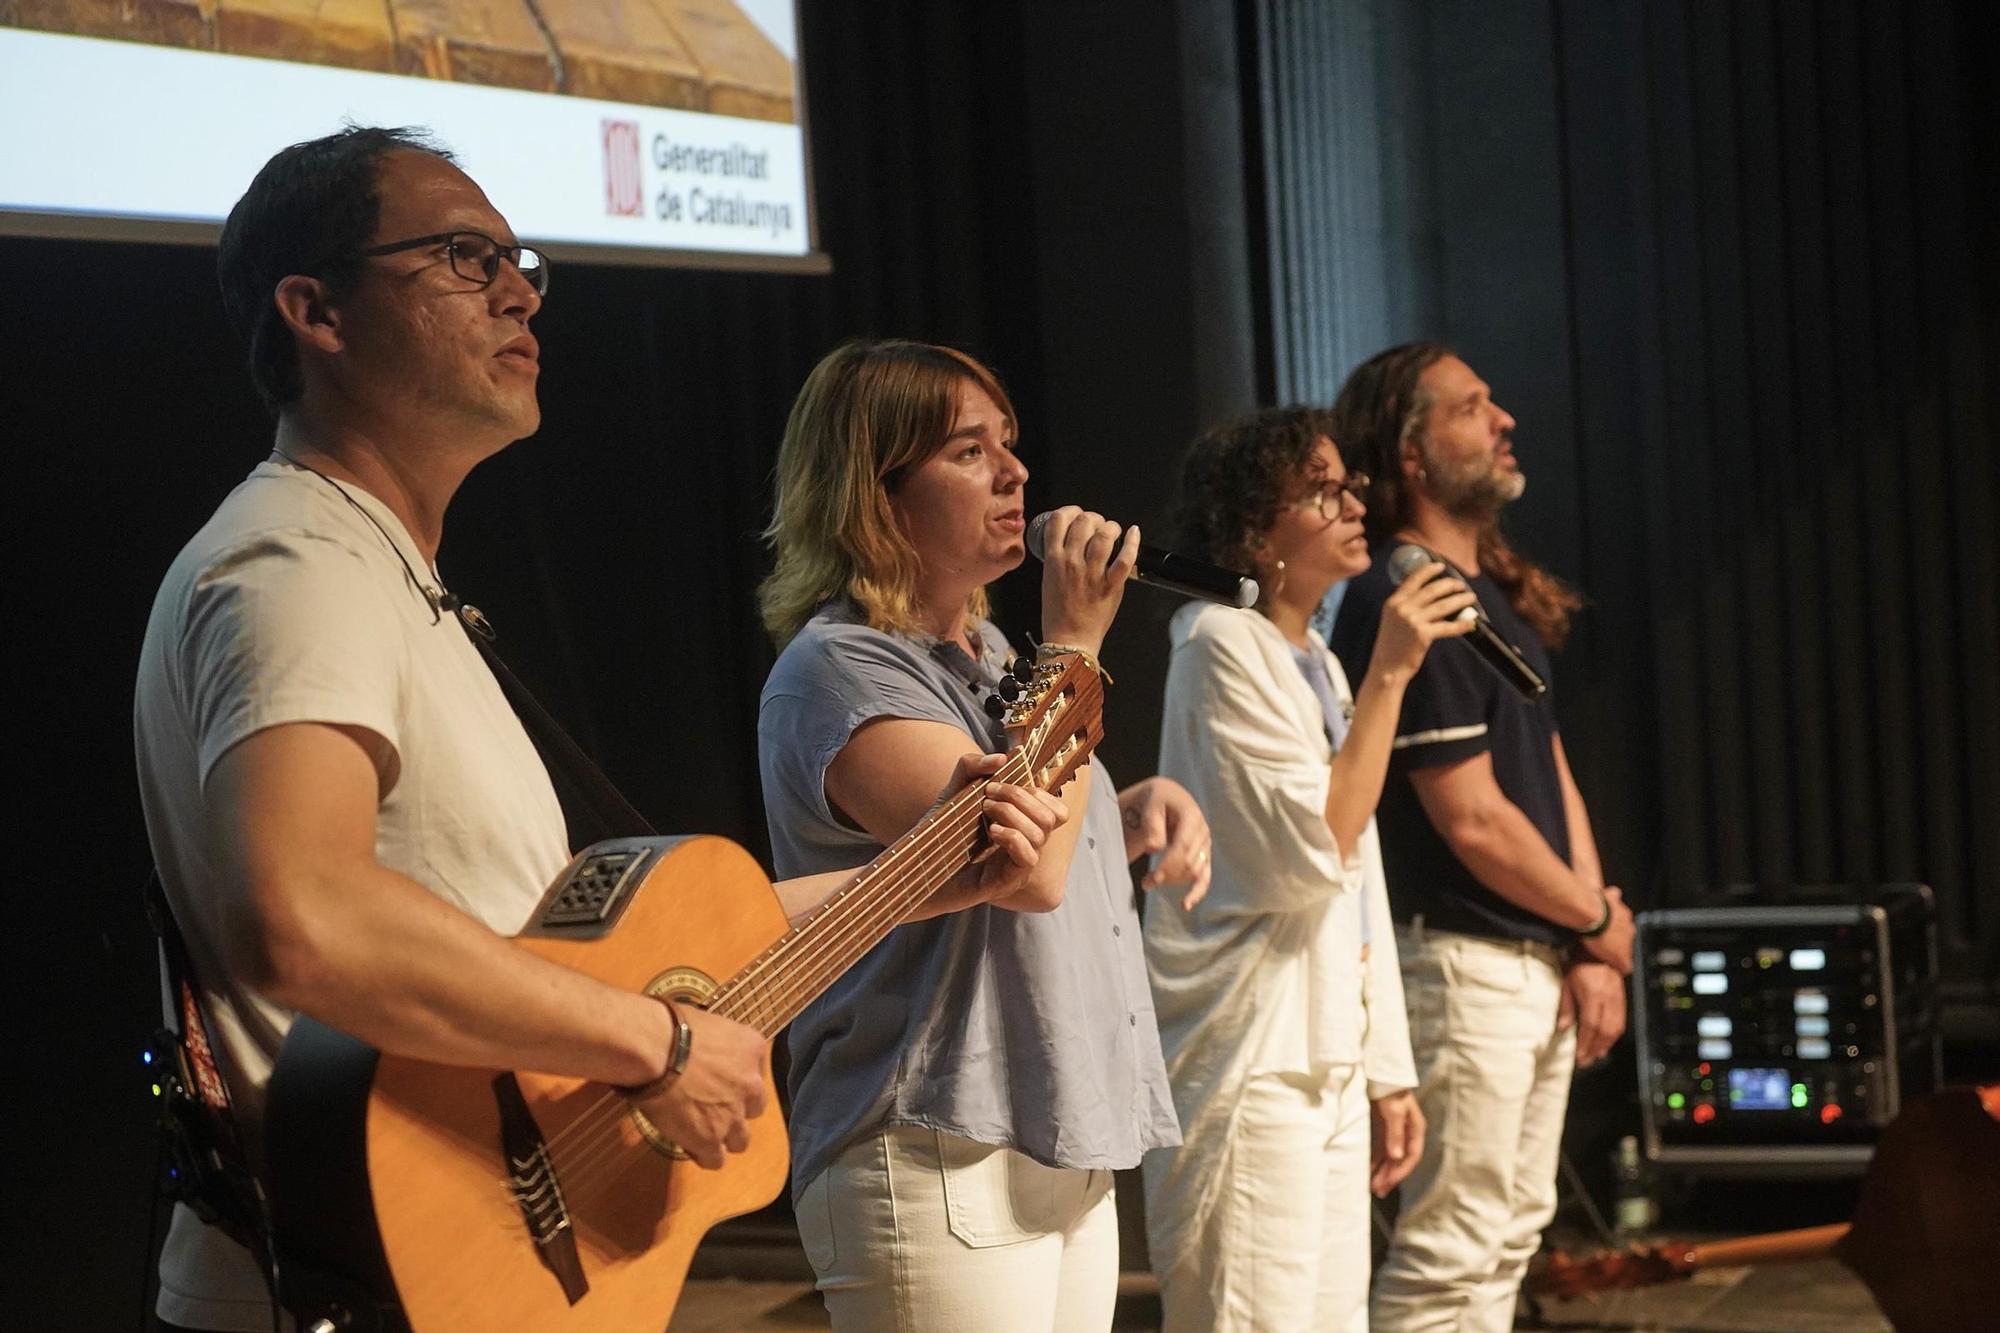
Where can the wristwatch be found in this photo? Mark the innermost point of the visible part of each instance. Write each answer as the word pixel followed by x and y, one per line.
pixel 677 1054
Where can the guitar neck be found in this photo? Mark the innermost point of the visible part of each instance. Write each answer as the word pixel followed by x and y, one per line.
pixel 788 976
pixel 1775 1248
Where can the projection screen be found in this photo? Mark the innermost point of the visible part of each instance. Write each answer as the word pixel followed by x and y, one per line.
pixel 621 131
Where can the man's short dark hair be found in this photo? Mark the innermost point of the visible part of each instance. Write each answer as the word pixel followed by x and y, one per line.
pixel 310 210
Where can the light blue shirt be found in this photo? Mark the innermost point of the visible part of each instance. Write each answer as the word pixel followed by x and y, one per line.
pixel 1033 1031
pixel 1313 665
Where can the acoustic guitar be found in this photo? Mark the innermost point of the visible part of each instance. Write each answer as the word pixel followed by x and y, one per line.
pixel 407 1194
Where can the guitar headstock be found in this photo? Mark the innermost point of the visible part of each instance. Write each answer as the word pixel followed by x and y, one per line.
pixel 1057 719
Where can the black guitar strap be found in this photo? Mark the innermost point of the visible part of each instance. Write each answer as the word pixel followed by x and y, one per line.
pixel 592 806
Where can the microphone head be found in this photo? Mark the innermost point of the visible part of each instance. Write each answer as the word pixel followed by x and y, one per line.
pixel 1247 593
pixel 1038 526
pixel 1406 560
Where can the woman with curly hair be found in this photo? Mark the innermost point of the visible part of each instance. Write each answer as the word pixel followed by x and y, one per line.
pixel 1280 1007
pixel 962 1095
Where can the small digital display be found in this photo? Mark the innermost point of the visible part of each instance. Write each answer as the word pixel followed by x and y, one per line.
pixel 1809 1002
pixel 1808 960
pixel 1710 983
pixel 1717 1025
pixel 1812 1027
pixel 1759 1089
pixel 1710 960
pixel 1815 1048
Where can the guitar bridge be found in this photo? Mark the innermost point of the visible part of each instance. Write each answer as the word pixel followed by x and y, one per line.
pixel 537 1191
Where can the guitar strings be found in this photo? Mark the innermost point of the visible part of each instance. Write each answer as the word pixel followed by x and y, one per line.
pixel 741 998
pixel 581 1170
pixel 576 1157
pixel 943 828
pixel 852 914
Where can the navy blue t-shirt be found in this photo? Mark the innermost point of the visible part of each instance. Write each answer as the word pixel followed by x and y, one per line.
pixel 1455 707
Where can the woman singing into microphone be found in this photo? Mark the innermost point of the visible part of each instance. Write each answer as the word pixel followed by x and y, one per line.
pixel 962 1095
pixel 1280 1004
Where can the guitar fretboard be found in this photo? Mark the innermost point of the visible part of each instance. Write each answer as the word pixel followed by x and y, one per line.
pixel 772 990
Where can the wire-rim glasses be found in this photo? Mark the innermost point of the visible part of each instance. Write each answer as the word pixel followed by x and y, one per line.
pixel 476 257
pixel 1329 496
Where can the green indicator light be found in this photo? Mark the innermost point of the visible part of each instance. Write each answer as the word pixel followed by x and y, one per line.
pixel 1676 1100
pixel 1708 1085
pixel 1799 1095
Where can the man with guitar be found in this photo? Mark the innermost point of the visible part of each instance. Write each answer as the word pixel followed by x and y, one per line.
pixel 347 816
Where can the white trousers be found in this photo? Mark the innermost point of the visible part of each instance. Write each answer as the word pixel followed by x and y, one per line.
pixel 916 1231
pixel 1289 1249
pixel 1494 1085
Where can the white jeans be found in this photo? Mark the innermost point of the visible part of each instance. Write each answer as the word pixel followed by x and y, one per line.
pixel 916 1231
pixel 1291 1233
pixel 1494 1085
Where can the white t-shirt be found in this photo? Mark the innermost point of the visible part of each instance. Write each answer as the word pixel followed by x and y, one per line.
pixel 290 606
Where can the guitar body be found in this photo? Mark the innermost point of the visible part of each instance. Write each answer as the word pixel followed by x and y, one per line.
pixel 393 1171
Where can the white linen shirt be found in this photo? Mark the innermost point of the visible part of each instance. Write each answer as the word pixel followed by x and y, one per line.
pixel 1265 974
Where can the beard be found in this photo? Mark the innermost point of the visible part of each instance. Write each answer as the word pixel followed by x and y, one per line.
pixel 1472 488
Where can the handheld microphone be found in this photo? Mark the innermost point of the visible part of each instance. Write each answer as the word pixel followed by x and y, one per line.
pixel 1175 573
pixel 1497 653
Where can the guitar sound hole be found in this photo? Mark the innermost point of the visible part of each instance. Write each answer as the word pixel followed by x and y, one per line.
pixel 682 985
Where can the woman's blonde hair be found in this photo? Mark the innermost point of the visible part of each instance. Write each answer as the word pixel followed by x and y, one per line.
pixel 868 413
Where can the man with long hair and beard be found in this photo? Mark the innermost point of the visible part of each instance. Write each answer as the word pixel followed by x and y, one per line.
pixel 1512 946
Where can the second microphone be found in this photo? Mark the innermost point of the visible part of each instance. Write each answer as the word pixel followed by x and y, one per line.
pixel 1175 573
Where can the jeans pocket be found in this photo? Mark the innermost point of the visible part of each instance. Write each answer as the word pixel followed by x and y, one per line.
pixel 1481 973
pixel 995 1196
pixel 815 1219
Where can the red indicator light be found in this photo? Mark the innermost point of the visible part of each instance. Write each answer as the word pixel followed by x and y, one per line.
pixel 1703 1069
pixel 1704 1113
pixel 1829 1113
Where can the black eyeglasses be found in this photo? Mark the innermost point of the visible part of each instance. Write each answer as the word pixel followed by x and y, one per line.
pixel 1329 496
pixel 476 257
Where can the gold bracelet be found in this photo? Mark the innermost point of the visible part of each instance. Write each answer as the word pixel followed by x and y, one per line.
pixel 1044 651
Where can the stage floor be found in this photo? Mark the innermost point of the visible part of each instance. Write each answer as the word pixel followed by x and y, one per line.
pixel 1818 1297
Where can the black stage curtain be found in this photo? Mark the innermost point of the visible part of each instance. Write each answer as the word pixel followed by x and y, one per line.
pixel 1786 470
pixel 1732 268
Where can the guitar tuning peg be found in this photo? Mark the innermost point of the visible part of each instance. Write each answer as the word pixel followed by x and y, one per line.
pixel 1022 669
pixel 1010 689
pixel 996 707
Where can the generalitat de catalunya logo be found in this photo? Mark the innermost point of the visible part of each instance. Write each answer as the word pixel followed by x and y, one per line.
pixel 623 192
